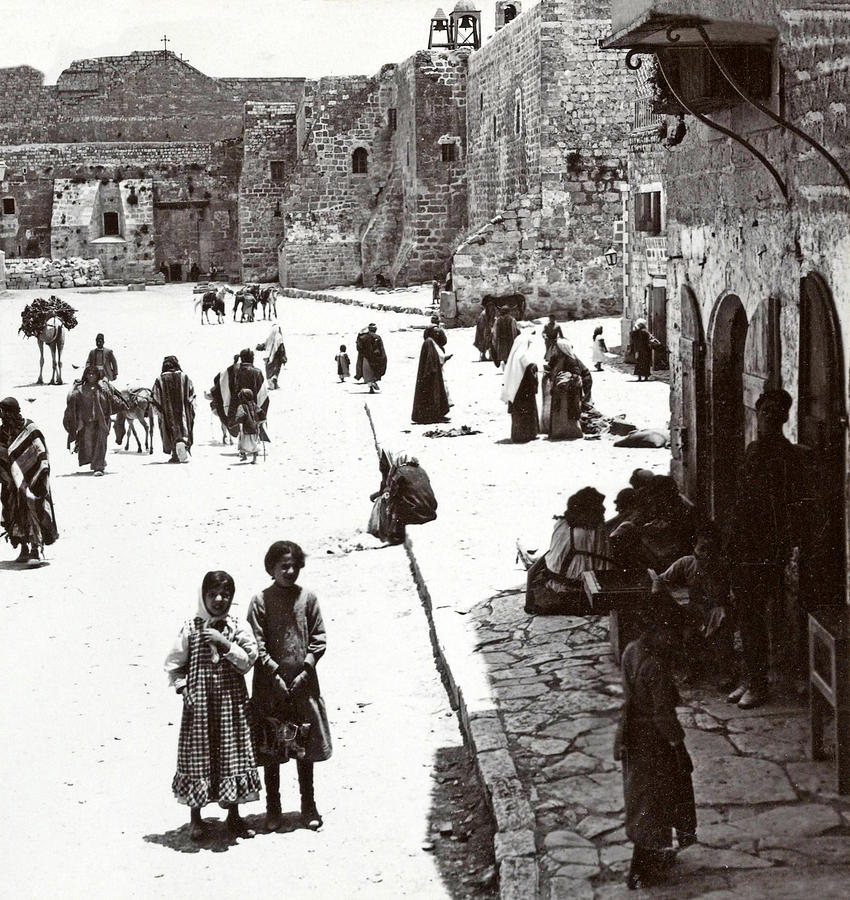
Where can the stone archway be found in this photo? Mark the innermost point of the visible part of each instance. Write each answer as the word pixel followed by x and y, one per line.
pixel 821 410
pixel 728 329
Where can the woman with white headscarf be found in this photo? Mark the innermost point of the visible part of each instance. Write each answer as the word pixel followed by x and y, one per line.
pixel 520 390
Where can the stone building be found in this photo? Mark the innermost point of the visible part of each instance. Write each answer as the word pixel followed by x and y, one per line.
pixel 504 162
pixel 757 227
pixel 547 130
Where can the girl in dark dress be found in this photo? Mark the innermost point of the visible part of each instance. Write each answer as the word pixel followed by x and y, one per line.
pixel 657 769
pixel 520 391
pixel 287 624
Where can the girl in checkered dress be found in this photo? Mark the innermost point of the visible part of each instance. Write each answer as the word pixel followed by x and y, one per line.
pixel 207 666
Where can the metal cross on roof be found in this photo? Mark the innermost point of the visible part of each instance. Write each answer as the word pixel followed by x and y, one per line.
pixel 164 40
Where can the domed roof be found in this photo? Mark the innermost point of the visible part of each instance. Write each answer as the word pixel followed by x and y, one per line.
pixel 463 6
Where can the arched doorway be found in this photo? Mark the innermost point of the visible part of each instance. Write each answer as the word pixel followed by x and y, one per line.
pixel 821 426
pixel 692 424
pixel 728 339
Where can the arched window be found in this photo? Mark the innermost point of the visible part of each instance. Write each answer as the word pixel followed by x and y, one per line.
pixel 360 161
pixel 510 13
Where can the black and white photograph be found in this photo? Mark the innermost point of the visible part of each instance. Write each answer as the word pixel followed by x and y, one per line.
pixel 450 401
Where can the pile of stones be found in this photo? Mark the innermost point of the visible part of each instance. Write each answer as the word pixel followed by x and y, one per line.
pixel 53 273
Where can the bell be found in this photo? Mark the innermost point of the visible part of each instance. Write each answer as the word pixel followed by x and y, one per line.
pixel 467 22
pixel 440 26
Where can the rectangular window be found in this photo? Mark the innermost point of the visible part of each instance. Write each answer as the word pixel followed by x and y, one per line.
pixel 648 212
pixel 277 170
pixel 110 224
pixel 8 206
pixel 449 152
pixel 392 118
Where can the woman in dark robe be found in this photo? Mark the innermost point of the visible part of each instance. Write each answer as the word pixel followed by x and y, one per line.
pixel 520 391
pixel 657 784
pixel 505 331
pixel 642 343
pixel 551 333
pixel 90 404
pixel 405 497
pixel 430 400
pixel 567 384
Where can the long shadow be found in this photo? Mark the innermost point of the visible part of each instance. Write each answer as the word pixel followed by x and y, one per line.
pixel 12 565
pixel 216 838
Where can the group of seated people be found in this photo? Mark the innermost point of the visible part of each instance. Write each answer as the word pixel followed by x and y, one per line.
pixel 653 532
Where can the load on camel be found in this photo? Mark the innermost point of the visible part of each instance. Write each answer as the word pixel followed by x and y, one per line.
pixel 47 321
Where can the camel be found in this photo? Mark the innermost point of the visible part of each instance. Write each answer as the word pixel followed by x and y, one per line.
pixel 53 334
pixel 139 409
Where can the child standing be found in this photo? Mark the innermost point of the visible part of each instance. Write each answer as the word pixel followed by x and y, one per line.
pixel 343 363
pixel 206 666
pixel 287 624
pixel 657 768
pixel 248 419
pixel 599 348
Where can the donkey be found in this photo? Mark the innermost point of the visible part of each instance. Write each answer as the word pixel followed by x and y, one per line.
pixel 139 409
pixel 213 300
pixel 268 298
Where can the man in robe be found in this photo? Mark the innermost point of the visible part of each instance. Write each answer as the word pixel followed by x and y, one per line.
pixel 89 406
pixel 173 397
pixel 103 359
pixel 505 331
pixel 484 330
pixel 776 510
pixel 240 375
pixel 430 399
pixel 275 355
pixel 374 358
pixel 25 499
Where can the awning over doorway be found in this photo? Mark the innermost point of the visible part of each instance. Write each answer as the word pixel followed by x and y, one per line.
pixel 647 31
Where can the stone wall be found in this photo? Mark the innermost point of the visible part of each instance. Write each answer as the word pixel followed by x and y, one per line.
pixel 270 156
pixel 548 121
pixel 194 194
pixel 730 231
pixel 398 220
pixel 53 273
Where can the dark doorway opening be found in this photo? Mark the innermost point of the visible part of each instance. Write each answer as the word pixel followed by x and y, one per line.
pixel 729 337
pixel 693 424
pixel 111 224
pixel 821 426
pixel 175 272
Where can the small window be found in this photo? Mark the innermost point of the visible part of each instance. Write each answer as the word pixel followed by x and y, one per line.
pixel 277 170
pixel 360 161
pixel 518 114
pixel 449 152
pixel 110 224
pixel 648 212
pixel 8 206
pixel 510 13
pixel 308 111
pixel 392 118
pixel 494 126
pixel 408 153
pixel 481 101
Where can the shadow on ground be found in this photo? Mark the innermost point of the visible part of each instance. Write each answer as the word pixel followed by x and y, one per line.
pixel 217 839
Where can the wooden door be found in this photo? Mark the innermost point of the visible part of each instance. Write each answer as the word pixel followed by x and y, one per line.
pixel 658 324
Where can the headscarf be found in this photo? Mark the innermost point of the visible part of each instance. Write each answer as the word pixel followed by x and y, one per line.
pixel 640 323
pixel 565 346
pixel 93 369
pixel 170 364
pixel 13 421
pixel 519 359
pixel 220 623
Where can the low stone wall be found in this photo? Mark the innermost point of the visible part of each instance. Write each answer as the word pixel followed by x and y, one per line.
pixel 325 297
pixel 53 273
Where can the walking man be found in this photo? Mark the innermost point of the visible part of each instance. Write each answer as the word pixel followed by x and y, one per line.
pixel 103 359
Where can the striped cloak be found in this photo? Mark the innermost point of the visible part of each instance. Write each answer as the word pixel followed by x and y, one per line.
pixel 27 503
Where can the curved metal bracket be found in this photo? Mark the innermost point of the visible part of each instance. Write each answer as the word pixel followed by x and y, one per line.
pixel 673 35
pixel 784 123
pixel 783 187
pixel 631 62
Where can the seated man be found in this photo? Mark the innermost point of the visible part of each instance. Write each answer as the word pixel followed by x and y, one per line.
pixel 705 574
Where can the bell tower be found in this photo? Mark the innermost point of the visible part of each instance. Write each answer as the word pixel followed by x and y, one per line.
pixel 506 12
pixel 440 36
pixel 466 25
